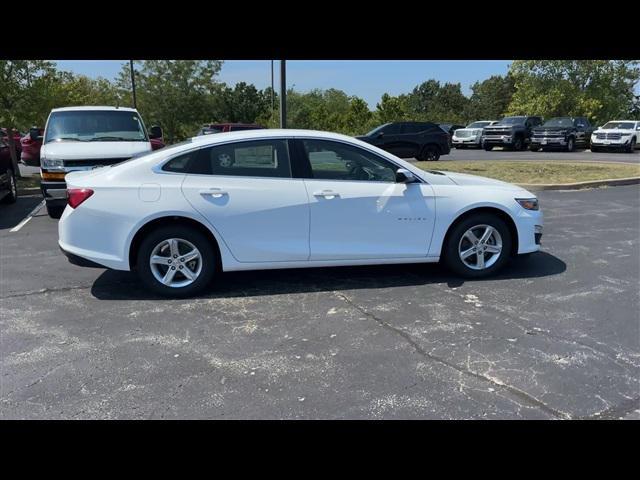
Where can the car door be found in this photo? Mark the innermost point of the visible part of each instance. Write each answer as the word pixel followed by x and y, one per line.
pixel 390 139
pixel 246 191
pixel 358 211
pixel 406 143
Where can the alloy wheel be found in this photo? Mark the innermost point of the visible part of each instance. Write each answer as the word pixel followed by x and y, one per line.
pixel 480 247
pixel 175 262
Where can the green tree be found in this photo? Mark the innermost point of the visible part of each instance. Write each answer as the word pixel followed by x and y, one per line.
pixel 392 109
pixel 19 89
pixel 598 89
pixel 490 98
pixel 175 94
pixel 435 102
pixel 243 103
pixel 359 119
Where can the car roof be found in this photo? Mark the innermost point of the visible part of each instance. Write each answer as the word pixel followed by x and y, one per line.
pixel 617 121
pixel 268 133
pixel 95 108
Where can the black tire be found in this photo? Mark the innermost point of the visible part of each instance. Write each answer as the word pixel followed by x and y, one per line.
pixel 571 144
pixel 190 234
pixel 429 153
pixel 12 196
pixel 594 149
pixel 55 211
pixel 534 149
pixel 454 236
pixel 488 148
pixel 632 146
pixel 518 144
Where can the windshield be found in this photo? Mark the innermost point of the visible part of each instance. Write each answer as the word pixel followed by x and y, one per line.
pixel 478 124
pixel 376 130
pixel 511 121
pixel 559 122
pixel 619 125
pixel 95 125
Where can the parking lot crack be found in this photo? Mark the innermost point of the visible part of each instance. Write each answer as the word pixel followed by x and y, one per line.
pixel 496 383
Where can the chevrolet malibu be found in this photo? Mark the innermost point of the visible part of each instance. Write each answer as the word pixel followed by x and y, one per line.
pixel 268 199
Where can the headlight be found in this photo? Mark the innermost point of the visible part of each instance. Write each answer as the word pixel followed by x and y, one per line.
pixel 528 203
pixel 51 163
pixel 625 134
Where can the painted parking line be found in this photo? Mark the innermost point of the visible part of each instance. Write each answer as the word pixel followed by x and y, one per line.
pixel 28 217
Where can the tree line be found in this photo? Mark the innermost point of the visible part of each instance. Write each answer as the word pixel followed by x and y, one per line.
pixel 181 95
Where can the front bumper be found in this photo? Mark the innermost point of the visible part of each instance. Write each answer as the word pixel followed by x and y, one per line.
pixel 466 141
pixel 548 142
pixel 610 143
pixel 497 139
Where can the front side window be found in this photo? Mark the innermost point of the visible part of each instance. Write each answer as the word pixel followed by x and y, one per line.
pixel 259 158
pixel 338 161
pixel 95 125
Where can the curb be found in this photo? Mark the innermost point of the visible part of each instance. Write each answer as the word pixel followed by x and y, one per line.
pixel 29 191
pixel 612 182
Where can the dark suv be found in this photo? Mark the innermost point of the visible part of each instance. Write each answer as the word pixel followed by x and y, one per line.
pixel 512 133
pixel 565 133
pixel 425 141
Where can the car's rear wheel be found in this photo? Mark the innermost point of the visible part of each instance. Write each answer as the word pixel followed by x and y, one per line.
pixel 478 246
pixel 12 196
pixel 176 261
pixel 429 153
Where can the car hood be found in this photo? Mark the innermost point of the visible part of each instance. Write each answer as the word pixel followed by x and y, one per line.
pixel 615 130
pixel 464 179
pixel 93 150
pixel 501 127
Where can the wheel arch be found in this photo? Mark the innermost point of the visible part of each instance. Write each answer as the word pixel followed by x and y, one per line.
pixel 502 214
pixel 163 221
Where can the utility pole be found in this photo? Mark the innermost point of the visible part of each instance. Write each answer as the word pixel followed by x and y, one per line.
pixel 133 83
pixel 283 94
pixel 273 103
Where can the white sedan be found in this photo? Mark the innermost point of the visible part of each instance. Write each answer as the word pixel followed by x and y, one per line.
pixel 269 199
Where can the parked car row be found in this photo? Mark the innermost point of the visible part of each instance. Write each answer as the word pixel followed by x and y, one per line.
pixel 558 133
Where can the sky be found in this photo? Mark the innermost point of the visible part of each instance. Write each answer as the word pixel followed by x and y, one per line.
pixel 367 79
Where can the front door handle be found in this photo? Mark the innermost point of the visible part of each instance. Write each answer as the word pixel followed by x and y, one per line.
pixel 214 192
pixel 329 194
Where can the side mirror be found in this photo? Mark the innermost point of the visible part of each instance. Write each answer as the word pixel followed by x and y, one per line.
pixel 404 176
pixel 155 132
pixel 34 134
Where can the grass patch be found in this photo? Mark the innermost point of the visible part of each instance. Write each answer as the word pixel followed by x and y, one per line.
pixel 28 182
pixel 538 172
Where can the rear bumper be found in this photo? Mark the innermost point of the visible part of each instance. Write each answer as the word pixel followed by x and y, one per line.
pixel 54 191
pixel 80 261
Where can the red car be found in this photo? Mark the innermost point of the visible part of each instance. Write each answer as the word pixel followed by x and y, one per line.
pixel 31 144
pixel 16 139
pixel 227 127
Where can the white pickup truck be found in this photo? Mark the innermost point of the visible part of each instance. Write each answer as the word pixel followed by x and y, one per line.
pixel 471 135
pixel 618 134
pixel 83 138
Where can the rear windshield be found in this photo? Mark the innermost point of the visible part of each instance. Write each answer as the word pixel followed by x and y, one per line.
pixel 94 126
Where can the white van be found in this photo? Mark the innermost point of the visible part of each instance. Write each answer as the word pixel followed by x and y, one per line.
pixel 83 138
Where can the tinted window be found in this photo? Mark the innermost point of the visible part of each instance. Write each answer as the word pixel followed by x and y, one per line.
pixel 260 158
pixel 392 129
pixel 338 161
pixel 181 163
pixel 412 128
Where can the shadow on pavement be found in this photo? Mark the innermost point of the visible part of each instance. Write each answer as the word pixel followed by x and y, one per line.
pixel 117 285
pixel 12 215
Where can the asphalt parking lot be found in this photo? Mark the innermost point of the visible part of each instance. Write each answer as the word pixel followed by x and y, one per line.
pixel 555 336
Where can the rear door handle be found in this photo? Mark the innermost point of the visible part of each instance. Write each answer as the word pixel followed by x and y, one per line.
pixel 329 194
pixel 214 192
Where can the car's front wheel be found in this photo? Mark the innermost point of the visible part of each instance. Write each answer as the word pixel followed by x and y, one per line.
pixel 488 148
pixel 478 246
pixel 632 146
pixel 176 261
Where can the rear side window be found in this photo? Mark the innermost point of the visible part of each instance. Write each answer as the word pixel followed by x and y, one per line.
pixel 260 158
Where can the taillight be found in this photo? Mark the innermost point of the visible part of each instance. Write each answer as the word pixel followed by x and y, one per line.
pixel 78 195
